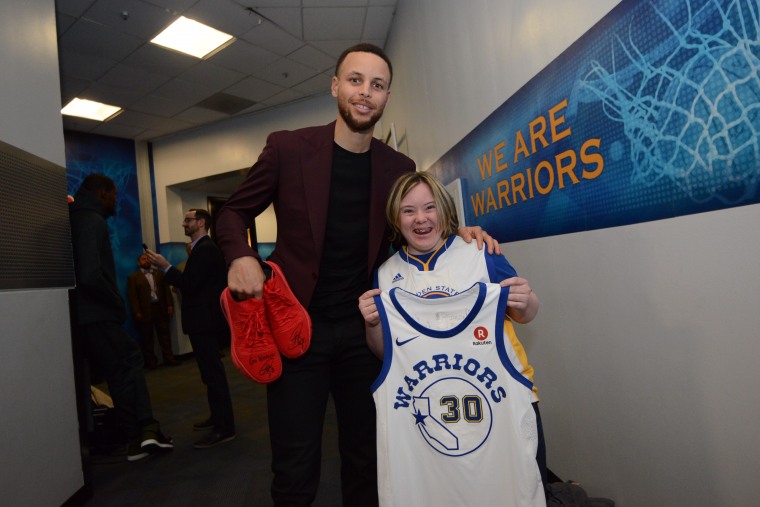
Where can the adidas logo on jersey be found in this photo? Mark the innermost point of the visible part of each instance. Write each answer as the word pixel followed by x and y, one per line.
pixel 397 278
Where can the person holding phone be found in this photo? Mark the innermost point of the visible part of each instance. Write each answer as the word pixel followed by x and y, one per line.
pixel 201 283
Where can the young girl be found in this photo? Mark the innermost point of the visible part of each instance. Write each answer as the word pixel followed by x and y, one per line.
pixel 433 262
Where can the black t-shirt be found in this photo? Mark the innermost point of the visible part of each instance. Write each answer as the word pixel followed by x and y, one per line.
pixel 343 269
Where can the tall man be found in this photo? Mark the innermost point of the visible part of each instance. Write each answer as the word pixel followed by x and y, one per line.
pixel 201 283
pixel 328 185
pixel 151 301
pixel 100 313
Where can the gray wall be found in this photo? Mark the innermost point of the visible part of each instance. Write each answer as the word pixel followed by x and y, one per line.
pixel 40 462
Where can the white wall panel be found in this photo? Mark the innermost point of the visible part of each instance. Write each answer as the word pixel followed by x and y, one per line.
pixel 41 460
pixel 29 82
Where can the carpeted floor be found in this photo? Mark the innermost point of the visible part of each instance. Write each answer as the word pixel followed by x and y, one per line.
pixel 235 473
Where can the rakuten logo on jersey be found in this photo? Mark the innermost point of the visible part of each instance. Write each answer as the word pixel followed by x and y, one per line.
pixel 481 337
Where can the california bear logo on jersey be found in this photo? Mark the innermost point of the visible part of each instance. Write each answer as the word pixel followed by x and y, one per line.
pixel 453 416
pixel 452 413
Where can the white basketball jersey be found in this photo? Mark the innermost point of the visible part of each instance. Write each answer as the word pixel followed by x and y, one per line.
pixel 455 424
pixel 454 267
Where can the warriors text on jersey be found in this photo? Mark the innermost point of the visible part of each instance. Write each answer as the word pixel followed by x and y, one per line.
pixel 455 424
pixel 452 268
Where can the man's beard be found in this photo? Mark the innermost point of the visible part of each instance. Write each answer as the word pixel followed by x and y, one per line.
pixel 357 125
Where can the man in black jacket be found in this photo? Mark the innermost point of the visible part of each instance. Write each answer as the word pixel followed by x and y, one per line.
pixel 100 314
pixel 201 283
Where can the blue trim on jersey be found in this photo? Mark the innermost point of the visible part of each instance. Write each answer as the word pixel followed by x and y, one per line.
pixel 387 345
pixel 498 267
pixel 434 333
pixel 501 346
pixel 426 261
pixel 436 295
pixel 411 259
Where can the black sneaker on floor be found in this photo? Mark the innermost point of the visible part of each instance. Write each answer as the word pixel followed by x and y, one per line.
pixel 135 452
pixel 212 439
pixel 153 440
pixel 203 425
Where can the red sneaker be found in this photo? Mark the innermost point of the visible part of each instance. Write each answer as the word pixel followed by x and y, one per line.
pixel 288 319
pixel 251 346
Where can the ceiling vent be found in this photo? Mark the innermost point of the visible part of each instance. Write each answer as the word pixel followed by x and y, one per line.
pixel 225 103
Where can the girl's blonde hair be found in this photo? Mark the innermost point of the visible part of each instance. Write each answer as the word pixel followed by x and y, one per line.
pixel 447 212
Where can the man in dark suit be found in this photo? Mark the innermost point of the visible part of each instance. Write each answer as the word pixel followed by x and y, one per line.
pixel 200 284
pixel 151 301
pixel 328 185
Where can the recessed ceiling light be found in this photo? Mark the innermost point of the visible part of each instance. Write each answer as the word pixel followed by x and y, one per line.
pixel 90 109
pixel 190 37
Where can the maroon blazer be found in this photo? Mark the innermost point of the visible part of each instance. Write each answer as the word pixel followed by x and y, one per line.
pixel 138 292
pixel 293 172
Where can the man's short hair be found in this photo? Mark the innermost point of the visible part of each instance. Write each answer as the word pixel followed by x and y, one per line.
pixel 204 215
pixel 366 47
pixel 96 181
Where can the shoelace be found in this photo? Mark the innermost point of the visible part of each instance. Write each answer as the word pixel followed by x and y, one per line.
pixel 253 330
pixel 284 319
pixel 281 298
pixel 287 319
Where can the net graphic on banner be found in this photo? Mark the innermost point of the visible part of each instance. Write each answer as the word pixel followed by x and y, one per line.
pixel 690 107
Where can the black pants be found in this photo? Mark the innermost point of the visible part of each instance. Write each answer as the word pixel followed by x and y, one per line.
pixel 206 352
pixel 120 361
pixel 541 452
pixel 158 320
pixel 338 363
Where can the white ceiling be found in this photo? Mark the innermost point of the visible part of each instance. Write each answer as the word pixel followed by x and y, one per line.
pixel 285 50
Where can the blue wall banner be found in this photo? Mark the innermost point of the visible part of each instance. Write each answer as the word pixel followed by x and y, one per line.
pixel 653 113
